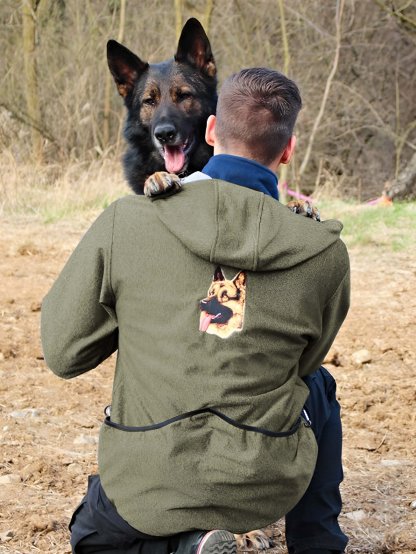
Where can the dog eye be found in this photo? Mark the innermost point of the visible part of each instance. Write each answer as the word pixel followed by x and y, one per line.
pixel 149 101
pixel 184 95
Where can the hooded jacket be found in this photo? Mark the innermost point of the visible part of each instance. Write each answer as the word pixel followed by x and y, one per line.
pixel 218 299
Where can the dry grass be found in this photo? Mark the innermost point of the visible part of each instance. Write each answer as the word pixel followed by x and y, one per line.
pixel 53 192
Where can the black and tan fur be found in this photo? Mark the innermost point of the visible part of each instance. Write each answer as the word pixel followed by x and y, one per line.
pixel 167 104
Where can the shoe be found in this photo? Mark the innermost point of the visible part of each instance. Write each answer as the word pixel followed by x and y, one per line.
pixel 216 542
pixel 211 542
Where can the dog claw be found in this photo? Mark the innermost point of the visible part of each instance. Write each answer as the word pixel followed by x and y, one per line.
pixel 305 208
pixel 254 541
pixel 160 183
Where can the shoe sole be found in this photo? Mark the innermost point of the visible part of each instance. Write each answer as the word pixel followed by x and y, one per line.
pixel 217 542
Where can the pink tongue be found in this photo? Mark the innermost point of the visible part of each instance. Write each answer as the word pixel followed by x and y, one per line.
pixel 174 158
pixel 204 321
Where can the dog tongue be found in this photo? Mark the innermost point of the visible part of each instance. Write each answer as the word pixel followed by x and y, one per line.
pixel 174 158
pixel 204 321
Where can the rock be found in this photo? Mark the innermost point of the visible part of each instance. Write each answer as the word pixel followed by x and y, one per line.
pixel 356 515
pixel 10 479
pixel 390 463
pixel 26 412
pixel 85 439
pixel 6 535
pixel 395 463
pixel 35 307
pixel 74 469
pixel 361 357
pixel 413 504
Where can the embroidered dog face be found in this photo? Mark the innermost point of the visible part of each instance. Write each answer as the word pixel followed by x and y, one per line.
pixel 222 311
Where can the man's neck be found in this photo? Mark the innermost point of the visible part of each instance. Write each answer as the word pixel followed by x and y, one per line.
pixel 244 172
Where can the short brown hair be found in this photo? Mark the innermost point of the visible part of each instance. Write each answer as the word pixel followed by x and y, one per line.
pixel 256 113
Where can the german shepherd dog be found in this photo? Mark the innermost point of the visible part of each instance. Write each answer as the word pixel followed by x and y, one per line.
pixel 168 104
pixel 222 311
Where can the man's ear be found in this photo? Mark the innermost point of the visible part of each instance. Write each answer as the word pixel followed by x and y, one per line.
pixel 288 151
pixel 210 136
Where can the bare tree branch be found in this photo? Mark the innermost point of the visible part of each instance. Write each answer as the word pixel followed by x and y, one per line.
pixel 206 19
pixel 396 13
pixel 108 79
pixel 286 53
pixel 26 120
pixel 286 63
pixel 338 19
pixel 31 74
pixel 178 18
pixel 309 22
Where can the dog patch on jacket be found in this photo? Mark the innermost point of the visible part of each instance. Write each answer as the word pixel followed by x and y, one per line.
pixel 222 311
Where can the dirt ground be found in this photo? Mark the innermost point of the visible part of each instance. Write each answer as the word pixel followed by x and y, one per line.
pixel 49 427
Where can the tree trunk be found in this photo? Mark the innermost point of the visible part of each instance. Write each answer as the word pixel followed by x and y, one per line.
pixel 109 80
pixel 178 18
pixel 283 170
pixel 317 122
pixel 29 8
pixel 404 186
pixel 206 19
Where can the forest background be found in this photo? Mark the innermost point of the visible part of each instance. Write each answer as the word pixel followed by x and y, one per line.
pixel 61 119
pixel 61 143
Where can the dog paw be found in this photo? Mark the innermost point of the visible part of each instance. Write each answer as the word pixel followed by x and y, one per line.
pixel 253 541
pixel 305 208
pixel 160 183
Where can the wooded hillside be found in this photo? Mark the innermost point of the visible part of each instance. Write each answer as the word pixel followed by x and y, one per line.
pixel 355 63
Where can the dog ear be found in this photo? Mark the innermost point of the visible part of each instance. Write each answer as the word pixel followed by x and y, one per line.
pixel 125 66
pixel 194 48
pixel 218 274
pixel 240 279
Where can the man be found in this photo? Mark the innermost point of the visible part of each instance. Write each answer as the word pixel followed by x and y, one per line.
pixel 218 304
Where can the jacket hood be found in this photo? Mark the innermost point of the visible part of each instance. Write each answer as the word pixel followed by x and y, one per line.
pixel 230 225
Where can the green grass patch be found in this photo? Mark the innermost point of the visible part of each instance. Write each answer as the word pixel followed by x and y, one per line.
pixel 391 227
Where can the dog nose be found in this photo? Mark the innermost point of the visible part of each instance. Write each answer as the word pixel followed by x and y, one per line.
pixel 165 133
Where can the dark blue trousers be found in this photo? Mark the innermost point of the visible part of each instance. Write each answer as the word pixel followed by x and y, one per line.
pixel 313 522
pixel 97 528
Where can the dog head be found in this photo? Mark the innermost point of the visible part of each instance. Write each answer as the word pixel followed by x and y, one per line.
pixel 222 311
pixel 168 103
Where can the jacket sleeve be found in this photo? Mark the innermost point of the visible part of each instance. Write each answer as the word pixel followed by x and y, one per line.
pixel 334 314
pixel 78 319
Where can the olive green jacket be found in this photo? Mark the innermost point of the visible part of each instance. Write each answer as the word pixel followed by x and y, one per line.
pixel 218 300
